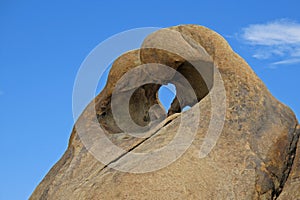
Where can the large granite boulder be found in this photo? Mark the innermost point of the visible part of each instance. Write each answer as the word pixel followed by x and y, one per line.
pixel 236 142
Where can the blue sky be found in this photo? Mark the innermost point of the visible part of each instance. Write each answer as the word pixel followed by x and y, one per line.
pixel 43 44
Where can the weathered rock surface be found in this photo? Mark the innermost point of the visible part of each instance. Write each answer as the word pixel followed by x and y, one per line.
pixel 255 157
pixel 291 189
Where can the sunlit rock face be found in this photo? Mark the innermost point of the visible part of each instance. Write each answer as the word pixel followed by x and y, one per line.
pixel 254 156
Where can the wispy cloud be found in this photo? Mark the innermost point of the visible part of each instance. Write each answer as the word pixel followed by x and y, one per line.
pixel 278 39
pixel 287 62
pixel 280 32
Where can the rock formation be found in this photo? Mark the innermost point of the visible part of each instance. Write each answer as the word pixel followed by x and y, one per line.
pixel 255 156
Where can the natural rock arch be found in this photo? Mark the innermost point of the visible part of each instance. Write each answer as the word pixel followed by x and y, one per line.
pixel 197 70
pixel 252 159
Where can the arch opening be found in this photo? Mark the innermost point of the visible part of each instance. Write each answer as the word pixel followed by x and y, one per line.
pixel 166 95
pixel 186 108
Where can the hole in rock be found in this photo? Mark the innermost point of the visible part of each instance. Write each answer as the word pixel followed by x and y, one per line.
pixel 166 95
pixel 151 103
pixel 186 108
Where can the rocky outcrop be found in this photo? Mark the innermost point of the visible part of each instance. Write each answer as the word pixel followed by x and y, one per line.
pixel 174 154
pixel 291 189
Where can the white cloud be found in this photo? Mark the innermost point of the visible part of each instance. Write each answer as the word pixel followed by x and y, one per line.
pixel 279 39
pixel 287 62
pixel 296 53
pixel 280 32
